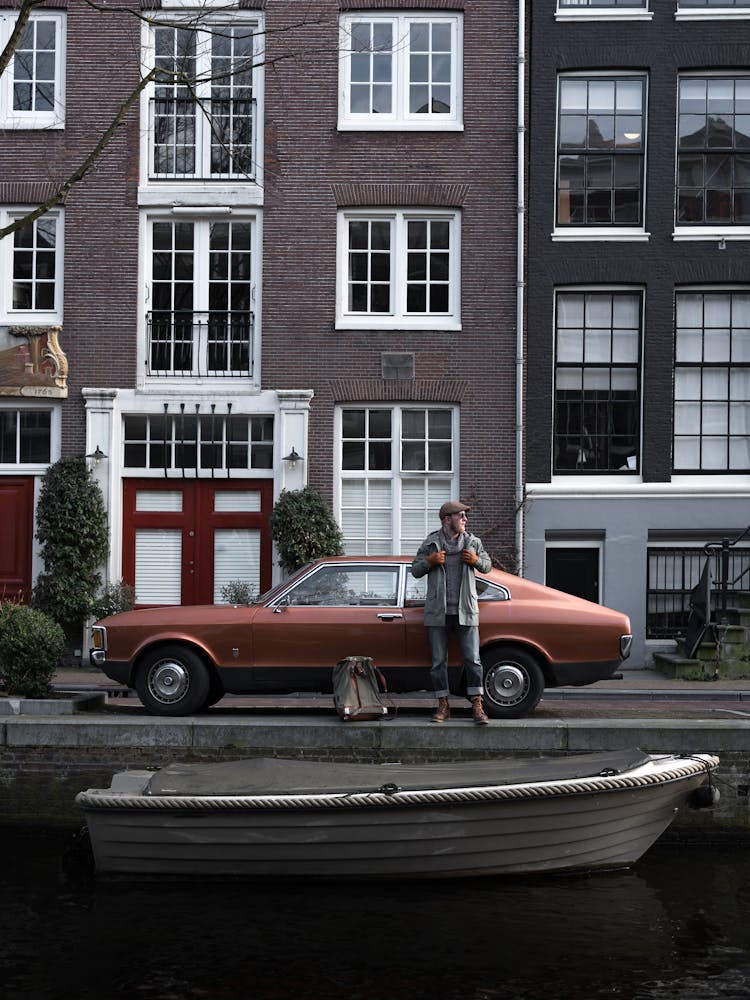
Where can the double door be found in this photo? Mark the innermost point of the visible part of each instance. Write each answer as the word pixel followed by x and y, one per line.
pixel 185 540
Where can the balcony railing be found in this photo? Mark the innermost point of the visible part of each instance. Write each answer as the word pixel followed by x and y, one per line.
pixel 674 572
pixel 212 139
pixel 194 344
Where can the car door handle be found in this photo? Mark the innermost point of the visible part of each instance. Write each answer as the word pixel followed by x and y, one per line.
pixel 389 616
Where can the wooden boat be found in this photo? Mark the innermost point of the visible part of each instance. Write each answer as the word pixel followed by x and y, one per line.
pixel 295 818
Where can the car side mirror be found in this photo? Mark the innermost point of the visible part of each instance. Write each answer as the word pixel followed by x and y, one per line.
pixel 283 603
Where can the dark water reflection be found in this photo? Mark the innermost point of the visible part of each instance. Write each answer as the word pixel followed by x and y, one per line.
pixel 677 926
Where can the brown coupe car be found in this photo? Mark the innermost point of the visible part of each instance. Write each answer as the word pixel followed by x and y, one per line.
pixel 183 659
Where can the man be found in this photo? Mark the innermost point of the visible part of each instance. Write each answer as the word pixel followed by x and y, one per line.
pixel 451 556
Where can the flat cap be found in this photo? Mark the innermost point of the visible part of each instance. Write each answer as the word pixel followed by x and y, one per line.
pixel 452 507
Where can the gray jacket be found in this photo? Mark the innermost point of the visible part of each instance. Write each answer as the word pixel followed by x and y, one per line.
pixel 468 606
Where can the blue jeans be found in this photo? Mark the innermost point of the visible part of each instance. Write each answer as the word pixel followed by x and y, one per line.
pixel 468 640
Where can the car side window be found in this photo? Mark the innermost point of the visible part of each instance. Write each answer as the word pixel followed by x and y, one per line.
pixel 416 591
pixel 487 591
pixel 331 586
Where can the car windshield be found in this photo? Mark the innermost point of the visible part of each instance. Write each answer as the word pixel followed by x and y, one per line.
pixel 277 589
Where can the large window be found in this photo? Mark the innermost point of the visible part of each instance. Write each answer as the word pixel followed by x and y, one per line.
pixel 32 89
pixel 712 382
pixel 401 71
pixel 399 269
pixel 202 278
pixel 25 436
pixel 597 381
pixel 203 111
pixel 396 468
pixel 199 440
pixel 713 156
pixel 601 143
pixel 31 269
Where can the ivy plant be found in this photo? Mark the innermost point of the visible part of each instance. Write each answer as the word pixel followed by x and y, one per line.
pixel 72 532
pixel 303 528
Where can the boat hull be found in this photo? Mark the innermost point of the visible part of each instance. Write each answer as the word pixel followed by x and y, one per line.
pixel 583 824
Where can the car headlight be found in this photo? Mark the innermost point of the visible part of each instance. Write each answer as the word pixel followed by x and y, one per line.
pixel 626 641
pixel 99 638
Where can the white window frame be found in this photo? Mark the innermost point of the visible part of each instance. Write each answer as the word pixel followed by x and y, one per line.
pixel 602 232
pixel 55 118
pixel 216 14
pixel 729 12
pixel 582 11
pixel 704 367
pixel 36 317
pixel 600 475
pixel 713 231
pixel 445 484
pixel 201 220
pixel 398 318
pixel 37 404
pixel 400 117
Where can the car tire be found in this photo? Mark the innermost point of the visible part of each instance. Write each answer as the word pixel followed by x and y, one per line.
pixel 173 680
pixel 513 682
pixel 215 692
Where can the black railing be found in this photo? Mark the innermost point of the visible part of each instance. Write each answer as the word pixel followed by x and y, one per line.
pixel 193 344
pixel 673 573
pixel 210 139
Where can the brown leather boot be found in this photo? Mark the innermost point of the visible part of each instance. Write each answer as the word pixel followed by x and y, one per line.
pixel 443 711
pixel 477 710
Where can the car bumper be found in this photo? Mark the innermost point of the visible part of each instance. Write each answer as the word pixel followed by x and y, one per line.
pixel 116 670
pixel 579 674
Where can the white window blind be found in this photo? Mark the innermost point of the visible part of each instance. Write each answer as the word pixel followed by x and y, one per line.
pixel 236 557
pixel 158 565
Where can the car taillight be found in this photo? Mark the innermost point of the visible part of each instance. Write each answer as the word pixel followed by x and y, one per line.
pixel 626 641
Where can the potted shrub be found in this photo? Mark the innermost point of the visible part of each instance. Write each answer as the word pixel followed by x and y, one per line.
pixel 31 645
pixel 303 528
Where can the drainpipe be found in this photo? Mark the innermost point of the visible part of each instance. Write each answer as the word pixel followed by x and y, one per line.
pixel 520 285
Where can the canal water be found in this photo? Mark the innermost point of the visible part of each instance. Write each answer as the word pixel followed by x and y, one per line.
pixel 675 927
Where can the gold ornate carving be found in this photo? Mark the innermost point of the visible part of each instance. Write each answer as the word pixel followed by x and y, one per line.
pixel 37 367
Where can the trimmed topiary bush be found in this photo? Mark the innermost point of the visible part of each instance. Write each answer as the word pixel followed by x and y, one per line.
pixel 303 528
pixel 31 645
pixel 72 531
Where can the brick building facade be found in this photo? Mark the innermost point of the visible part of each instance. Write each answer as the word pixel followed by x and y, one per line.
pixel 301 240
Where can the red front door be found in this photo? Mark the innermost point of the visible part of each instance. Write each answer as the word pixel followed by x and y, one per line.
pixel 185 539
pixel 16 533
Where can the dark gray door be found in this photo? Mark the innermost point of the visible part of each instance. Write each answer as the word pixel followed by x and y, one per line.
pixel 575 571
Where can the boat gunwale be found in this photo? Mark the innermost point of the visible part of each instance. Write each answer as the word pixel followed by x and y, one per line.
pixel 658 774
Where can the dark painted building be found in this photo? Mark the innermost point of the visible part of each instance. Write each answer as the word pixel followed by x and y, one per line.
pixel 638 434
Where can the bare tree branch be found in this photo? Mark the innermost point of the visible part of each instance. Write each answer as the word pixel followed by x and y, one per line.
pixel 199 21
pixel 58 196
pixel 24 14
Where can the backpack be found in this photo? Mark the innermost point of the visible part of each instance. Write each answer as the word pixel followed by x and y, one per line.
pixel 356 689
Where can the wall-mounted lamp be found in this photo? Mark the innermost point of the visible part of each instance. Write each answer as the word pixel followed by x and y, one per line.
pixel 96 456
pixel 292 458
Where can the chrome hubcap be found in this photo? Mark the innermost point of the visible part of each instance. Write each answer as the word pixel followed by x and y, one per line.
pixel 168 681
pixel 506 684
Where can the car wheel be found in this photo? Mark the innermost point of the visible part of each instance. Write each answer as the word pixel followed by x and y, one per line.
pixel 215 692
pixel 513 683
pixel 173 680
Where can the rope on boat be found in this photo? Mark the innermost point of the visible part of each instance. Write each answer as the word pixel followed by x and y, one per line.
pixel 578 786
